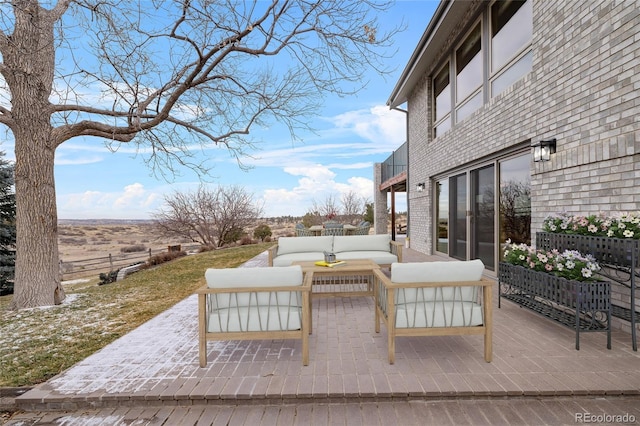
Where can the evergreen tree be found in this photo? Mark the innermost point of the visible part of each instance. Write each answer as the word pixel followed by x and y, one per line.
pixel 7 226
pixel 368 215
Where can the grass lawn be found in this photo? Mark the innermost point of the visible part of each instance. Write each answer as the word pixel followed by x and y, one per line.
pixel 37 344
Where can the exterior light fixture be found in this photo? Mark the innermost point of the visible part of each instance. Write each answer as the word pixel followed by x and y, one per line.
pixel 542 150
pixel 420 187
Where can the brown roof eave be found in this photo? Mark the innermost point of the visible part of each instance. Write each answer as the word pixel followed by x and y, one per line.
pixel 446 16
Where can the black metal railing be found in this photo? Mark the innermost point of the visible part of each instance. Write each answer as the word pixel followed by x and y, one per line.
pixel 396 163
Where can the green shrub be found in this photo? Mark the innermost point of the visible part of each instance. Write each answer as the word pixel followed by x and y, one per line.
pixel 109 277
pixel 262 232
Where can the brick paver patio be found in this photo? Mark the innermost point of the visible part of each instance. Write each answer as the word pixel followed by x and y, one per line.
pixel 534 366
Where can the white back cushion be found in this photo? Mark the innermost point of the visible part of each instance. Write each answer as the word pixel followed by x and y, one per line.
pixel 240 278
pixel 437 271
pixel 361 243
pixel 288 276
pixel 288 245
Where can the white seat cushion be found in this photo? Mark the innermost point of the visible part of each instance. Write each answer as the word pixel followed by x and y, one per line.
pixel 287 259
pixel 379 257
pixel 264 318
pixel 439 314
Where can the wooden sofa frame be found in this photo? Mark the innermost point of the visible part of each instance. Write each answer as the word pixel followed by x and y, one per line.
pixel 385 293
pixel 303 333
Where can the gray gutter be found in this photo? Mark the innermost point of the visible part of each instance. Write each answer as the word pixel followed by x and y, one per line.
pixel 436 34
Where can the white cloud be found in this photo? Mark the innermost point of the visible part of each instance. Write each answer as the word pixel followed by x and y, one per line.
pixel 314 183
pixel 379 124
pixel 133 202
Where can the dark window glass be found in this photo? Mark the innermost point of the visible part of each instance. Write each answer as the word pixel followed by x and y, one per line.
pixel 469 65
pixel 442 91
pixel 511 30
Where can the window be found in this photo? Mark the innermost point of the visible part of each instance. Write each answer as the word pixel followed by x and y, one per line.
pixel 511 34
pixel 442 95
pixel 442 215
pixel 469 74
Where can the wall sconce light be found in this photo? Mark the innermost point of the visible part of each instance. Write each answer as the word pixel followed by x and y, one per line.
pixel 542 150
pixel 420 187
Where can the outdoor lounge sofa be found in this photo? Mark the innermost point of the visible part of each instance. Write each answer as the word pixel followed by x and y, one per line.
pixel 254 303
pixel 434 299
pixel 379 248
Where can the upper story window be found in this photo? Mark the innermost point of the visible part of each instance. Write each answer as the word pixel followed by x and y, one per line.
pixel 469 74
pixel 442 96
pixel 459 86
pixel 511 34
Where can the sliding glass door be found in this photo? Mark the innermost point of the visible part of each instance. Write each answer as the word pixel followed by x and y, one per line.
pixel 478 209
pixel 483 215
pixel 458 234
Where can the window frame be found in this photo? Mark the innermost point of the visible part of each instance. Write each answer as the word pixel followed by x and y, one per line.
pixel 490 78
pixel 516 57
pixel 447 117
pixel 478 91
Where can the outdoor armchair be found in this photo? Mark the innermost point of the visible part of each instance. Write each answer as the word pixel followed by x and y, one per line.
pixel 434 299
pixel 254 303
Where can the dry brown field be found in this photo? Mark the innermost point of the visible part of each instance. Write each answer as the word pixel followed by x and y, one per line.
pixel 82 241
pixel 88 239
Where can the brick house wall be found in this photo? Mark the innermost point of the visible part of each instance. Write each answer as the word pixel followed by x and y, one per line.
pixel 583 90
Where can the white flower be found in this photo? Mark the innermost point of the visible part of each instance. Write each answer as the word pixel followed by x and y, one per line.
pixel 628 233
pixel 586 272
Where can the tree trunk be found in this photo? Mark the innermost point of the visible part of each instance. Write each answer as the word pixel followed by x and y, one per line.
pixel 37 279
pixel 29 63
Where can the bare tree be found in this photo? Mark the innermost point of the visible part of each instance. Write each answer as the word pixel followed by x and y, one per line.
pixel 353 206
pixel 172 78
pixel 208 216
pixel 328 209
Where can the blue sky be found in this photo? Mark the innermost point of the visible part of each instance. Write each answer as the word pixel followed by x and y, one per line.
pixel 286 177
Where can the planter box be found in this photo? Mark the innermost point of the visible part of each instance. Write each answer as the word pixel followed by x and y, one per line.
pixel 620 255
pixel 582 306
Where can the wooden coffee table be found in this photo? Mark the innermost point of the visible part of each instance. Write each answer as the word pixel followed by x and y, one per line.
pixel 354 278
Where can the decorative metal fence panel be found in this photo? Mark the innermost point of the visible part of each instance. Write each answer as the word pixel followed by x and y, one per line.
pixel 614 251
pixel 582 306
pixel 618 256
